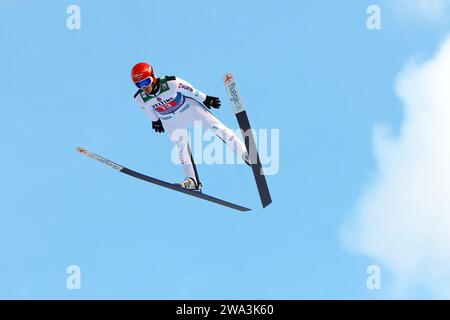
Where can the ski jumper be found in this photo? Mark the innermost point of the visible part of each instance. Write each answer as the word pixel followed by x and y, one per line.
pixel 178 105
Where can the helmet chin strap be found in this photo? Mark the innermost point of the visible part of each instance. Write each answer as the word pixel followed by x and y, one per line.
pixel 155 88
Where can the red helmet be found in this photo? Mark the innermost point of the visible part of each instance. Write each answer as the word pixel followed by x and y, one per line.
pixel 142 71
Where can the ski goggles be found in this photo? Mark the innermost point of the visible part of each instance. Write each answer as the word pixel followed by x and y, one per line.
pixel 144 83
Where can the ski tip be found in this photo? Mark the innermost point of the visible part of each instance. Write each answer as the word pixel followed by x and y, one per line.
pixel 81 150
pixel 228 78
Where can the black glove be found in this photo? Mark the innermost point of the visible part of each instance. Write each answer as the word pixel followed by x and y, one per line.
pixel 212 102
pixel 157 125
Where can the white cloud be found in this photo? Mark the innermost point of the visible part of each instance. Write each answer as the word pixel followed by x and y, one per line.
pixel 425 9
pixel 403 217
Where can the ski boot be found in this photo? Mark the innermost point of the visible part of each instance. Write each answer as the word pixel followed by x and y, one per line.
pixel 190 184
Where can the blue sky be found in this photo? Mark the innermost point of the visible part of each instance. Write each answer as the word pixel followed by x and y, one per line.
pixel 312 70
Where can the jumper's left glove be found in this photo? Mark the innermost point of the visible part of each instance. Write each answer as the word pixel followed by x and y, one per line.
pixel 157 126
pixel 212 102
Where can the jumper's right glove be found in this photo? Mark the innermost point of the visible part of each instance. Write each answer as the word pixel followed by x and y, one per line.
pixel 157 126
pixel 212 102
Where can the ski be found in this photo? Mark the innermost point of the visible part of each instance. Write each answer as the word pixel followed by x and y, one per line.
pixel 244 124
pixel 161 183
